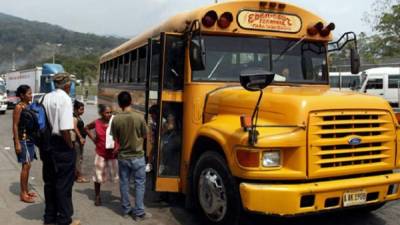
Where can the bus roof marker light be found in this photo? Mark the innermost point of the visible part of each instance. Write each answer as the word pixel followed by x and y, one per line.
pixel 209 19
pixel 263 5
pixel 327 30
pixel 225 20
pixel 272 5
pixel 315 29
pixel 281 6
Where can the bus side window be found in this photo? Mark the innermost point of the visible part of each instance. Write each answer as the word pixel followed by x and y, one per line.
pixel 174 63
pixel 109 72
pixel 133 67
pixel 120 69
pixel 142 64
pixel 155 65
pixel 115 70
pixel 127 59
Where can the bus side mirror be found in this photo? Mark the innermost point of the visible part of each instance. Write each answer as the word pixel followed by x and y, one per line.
pixel 256 80
pixel 197 53
pixel 355 61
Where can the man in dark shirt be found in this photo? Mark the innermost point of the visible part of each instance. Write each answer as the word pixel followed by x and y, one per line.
pixel 129 130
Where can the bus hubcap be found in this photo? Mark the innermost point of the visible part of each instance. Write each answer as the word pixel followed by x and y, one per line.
pixel 212 195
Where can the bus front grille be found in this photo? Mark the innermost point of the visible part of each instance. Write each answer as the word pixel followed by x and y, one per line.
pixel 345 142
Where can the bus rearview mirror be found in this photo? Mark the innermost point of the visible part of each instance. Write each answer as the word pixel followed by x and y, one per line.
pixel 256 80
pixel 197 54
pixel 354 61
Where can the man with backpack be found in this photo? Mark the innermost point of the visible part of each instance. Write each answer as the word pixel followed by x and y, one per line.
pixel 59 156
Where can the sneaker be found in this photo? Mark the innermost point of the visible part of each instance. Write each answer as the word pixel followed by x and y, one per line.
pixel 76 222
pixel 128 214
pixel 142 217
pixel 149 168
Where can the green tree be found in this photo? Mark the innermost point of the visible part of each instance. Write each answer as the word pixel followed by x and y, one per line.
pixel 384 17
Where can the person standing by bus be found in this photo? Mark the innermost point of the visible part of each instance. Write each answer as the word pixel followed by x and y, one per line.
pixel 129 130
pixel 105 162
pixel 79 136
pixel 24 147
pixel 59 159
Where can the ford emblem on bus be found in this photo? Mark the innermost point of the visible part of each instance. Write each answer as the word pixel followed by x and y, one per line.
pixel 354 141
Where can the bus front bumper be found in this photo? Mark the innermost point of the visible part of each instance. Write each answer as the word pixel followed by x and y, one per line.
pixel 294 199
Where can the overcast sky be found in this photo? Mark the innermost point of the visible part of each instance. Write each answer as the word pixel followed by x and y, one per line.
pixel 129 17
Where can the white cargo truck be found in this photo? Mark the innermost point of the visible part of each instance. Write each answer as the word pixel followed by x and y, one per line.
pixel 29 77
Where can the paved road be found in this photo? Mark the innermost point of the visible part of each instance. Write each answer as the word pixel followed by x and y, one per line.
pixel 14 212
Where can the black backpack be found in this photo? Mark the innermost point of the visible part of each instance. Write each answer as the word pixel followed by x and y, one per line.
pixel 28 123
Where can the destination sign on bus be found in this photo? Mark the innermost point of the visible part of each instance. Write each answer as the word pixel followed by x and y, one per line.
pixel 267 21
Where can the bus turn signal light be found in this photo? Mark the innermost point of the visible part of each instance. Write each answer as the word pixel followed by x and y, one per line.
pixel 245 122
pixel 248 158
pixel 225 20
pixel 209 19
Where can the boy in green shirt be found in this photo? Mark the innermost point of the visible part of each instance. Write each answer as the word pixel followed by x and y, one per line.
pixel 129 130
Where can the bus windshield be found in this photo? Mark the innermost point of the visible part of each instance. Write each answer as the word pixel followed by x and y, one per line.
pixel 293 61
pixel 2 89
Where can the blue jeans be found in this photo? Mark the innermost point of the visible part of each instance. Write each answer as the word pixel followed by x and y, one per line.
pixel 135 168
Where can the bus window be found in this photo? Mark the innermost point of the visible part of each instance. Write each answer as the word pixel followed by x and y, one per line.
pixel 174 66
pixel 120 69
pixel 394 81
pixel 115 70
pixel 142 64
pixel 133 67
pixel 287 59
pixel 127 59
pixel 170 139
pixel 109 72
pixel 155 65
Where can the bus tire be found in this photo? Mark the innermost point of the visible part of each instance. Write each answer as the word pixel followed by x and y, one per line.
pixel 216 192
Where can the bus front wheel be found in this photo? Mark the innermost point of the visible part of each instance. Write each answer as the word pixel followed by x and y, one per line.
pixel 216 191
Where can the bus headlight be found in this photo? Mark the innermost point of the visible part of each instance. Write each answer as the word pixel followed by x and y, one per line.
pixel 271 158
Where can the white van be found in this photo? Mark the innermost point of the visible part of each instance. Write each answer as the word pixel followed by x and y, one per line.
pixel 384 82
pixel 344 81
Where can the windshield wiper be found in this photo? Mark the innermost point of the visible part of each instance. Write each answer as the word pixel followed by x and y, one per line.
pixel 216 66
pixel 289 48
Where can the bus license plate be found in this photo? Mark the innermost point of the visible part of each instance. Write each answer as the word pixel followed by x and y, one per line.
pixel 354 197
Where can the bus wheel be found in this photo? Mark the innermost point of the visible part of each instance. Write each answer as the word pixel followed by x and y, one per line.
pixel 216 191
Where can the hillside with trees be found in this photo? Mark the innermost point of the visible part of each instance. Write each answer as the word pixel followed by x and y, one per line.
pixel 31 43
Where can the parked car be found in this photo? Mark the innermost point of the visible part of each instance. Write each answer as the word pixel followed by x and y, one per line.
pixel 12 100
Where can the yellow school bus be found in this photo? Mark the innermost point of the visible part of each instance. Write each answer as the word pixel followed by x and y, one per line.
pixel 243 118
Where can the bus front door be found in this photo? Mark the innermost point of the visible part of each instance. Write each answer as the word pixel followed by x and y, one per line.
pixel 167 67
